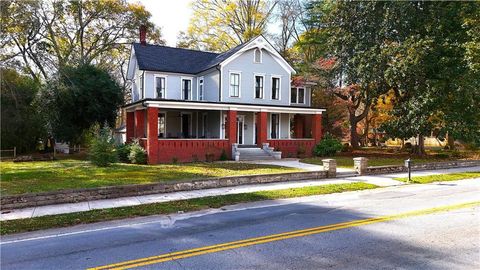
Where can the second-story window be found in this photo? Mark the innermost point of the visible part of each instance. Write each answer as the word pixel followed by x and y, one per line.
pixel 142 86
pixel 297 95
pixel 186 88
pixel 160 87
pixel 200 89
pixel 275 88
pixel 258 86
pixel 234 84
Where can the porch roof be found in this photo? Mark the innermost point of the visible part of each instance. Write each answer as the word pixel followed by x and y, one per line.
pixel 219 106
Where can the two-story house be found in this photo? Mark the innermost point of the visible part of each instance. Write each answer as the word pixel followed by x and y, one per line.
pixel 190 105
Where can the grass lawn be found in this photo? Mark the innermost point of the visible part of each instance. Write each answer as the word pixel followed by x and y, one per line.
pixel 41 176
pixel 63 220
pixel 441 177
pixel 347 162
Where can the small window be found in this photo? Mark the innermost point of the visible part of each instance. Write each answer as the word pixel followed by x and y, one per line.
pixel 258 86
pixel 257 55
pixel 160 86
pixel 234 84
pixel 293 97
pixel 301 95
pixel 200 89
pixel 275 88
pixel 142 86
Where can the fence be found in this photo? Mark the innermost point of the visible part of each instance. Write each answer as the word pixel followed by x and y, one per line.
pixel 13 155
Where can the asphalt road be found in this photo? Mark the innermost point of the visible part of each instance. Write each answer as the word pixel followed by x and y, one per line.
pixel 321 232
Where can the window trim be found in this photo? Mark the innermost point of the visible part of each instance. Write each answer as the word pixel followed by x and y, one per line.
pixel 279 87
pixel 296 97
pixel 198 88
pixel 155 76
pixel 239 83
pixel 142 84
pixel 261 55
pixel 255 75
pixel 182 97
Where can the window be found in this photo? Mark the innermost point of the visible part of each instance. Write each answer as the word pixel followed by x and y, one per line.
pixel 200 89
pixel 160 86
pixel 297 95
pixel 142 86
pixel 258 86
pixel 257 56
pixel 186 88
pixel 162 128
pixel 234 85
pixel 275 88
pixel 275 126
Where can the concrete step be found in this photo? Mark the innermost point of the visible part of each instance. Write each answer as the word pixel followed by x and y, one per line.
pixel 253 153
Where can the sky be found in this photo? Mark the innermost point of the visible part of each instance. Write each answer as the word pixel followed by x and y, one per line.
pixel 171 15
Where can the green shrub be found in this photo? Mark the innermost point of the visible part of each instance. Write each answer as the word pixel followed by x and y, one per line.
pixel 223 156
pixel 328 146
pixel 137 155
pixel 102 147
pixel 123 152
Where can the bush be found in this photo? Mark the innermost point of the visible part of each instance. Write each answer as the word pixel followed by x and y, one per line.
pixel 223 156
pixel 328 146
pixel 102 147
pixel 123 152
pixel 137 155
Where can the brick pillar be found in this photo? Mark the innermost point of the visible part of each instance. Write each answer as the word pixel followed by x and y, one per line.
pixel 231 130
pixel 299 126
pixel 152 135
pixel 261 128
pixel 140 124
pixel 130 126
pixel 317 127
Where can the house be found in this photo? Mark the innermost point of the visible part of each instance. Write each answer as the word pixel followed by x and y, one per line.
pixel 190 105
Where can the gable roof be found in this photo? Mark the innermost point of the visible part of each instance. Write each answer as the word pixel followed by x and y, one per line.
pixel 179 60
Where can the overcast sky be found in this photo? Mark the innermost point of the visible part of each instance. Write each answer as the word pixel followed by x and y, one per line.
pixel 171 15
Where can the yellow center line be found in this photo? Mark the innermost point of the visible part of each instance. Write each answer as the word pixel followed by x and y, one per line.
pixel 275 237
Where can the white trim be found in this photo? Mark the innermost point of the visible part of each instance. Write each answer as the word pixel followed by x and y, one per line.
pixel 155 76
pixel 289 125
pixel 296 98
pixel 239 73
pixel 198 88
pixel 279 77
pixel 243 129
pixel 254 128
pixel 167 104
pixel 181 87
pixel 255 75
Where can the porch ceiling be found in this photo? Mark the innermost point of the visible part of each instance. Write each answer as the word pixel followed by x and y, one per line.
pixel 216 106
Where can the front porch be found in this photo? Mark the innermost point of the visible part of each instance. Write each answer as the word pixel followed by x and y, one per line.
pixel 199 133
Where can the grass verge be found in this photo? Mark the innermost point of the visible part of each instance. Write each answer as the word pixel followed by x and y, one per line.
pixel 64 220
pixel 440 177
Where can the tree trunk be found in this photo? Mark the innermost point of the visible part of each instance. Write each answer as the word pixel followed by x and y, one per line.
pixel 353 132
pixel 420 147
pixel 451 142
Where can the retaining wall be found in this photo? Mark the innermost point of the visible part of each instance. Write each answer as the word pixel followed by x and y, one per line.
pixel 423 166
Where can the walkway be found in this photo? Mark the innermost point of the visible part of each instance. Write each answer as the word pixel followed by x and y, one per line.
pixel 295 163
pixel 380 180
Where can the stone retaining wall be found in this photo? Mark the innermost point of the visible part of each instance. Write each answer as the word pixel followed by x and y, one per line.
pixel 79 195
pixel 423 166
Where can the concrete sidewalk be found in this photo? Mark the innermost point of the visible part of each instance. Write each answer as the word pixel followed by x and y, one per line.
pixel 379 180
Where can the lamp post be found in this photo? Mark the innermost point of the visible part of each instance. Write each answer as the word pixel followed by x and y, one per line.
pixel 408 164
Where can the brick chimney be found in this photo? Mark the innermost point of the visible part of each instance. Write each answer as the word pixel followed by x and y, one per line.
pixel 143 35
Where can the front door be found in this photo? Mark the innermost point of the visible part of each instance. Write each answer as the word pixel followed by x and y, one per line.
pixel 186 121
pixel 240 127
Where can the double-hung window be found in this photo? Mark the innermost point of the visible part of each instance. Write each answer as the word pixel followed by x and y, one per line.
pixel 258 86
pixel 200 89
pixel 275 88
pixel 186 89
pixel 160 87
pixel 234 85
pixel 297 95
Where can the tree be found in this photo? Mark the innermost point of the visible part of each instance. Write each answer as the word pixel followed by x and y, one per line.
pixel 80 97
pixel 45 36
pixel 218 25
pixel 289 14
pixel 22 125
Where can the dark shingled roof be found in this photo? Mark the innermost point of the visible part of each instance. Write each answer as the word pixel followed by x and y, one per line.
pixel 178 60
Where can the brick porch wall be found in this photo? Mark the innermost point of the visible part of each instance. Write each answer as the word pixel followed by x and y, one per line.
pixel 293 147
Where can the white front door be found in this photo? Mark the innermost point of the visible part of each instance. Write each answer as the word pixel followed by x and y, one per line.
pixel 240 128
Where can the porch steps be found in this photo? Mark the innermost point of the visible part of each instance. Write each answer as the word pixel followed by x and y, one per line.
pixel 249 154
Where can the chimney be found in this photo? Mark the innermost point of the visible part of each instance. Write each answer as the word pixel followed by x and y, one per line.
pixel 143 35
